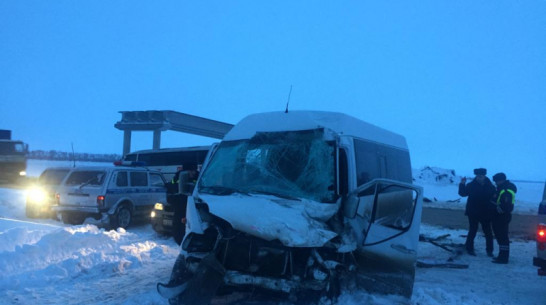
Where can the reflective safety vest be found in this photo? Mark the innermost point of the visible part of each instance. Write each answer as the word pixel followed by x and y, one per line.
pixel 509 191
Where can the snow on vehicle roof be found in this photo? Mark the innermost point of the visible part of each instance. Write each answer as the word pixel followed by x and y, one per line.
pixel 340 123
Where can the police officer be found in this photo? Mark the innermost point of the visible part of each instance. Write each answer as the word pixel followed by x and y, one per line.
pixel 480 191
pixel 172 186
pixel 503 206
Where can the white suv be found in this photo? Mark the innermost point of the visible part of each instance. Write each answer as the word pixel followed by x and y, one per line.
pixel 41 195
pixel 113 195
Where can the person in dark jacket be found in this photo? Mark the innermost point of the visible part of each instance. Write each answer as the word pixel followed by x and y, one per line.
pixel 503 204
pixel 480 192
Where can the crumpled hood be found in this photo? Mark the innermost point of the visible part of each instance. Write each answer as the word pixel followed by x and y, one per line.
pixel 294 223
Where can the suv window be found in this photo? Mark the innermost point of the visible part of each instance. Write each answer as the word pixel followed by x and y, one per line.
pixel 139 178
pixel 156 180
pixel 86 178
pixel 52 176
pixel 121 179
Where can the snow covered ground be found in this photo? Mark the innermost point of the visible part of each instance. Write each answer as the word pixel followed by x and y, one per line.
pixel 47 262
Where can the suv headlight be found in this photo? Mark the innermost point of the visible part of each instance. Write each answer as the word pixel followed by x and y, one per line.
pixel 37 195
pixel 158 206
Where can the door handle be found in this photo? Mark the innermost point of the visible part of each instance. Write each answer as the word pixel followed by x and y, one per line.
pixel 403 249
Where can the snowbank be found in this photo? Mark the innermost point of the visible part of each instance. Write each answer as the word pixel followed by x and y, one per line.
pixel 38 262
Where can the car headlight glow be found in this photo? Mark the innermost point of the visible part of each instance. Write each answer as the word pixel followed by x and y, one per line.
pixel 22 173
pixel 37 195
pixel 158 206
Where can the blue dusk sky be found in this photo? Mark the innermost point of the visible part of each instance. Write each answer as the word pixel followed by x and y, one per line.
pixel 463 81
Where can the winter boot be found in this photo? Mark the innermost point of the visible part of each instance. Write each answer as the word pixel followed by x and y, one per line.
pixel 470 250
pixel 502 258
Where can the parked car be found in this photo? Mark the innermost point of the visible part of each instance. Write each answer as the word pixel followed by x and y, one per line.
pixel 112 195
pixel 41 195
pixel 170 218
pixel 540 259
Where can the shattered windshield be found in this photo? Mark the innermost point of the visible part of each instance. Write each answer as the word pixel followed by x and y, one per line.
pixel 296 164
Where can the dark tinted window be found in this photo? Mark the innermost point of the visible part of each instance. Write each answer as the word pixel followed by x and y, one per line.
pixel 52 176
pixel 130 157
pixel 380 161
pixel 11 148
pixel 139 179
pixel 86 178
pixel 398 165
pixel 367 161
pixel 121 179
pixel 189 159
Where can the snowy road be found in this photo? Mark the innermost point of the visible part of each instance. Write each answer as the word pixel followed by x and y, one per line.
pixel 46 262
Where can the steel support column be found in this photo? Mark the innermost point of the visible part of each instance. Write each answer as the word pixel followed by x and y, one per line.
pixel 126 141
pixel 157 139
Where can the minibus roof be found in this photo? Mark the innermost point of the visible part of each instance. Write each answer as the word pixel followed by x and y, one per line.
pixel 339 123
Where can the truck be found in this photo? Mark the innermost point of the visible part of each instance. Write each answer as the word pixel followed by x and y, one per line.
pixel 300 204
pixel 13 158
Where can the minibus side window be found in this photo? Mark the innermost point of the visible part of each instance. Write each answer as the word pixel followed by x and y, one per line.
pixel 379 161
pixel 367 161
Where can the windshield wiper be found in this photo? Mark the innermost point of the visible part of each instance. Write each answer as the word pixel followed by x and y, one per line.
pixel 284 196
pixel 220 190
pixel 88 182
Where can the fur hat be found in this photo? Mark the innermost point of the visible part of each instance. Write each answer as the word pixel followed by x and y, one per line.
pixel 480 171
pixel 499 177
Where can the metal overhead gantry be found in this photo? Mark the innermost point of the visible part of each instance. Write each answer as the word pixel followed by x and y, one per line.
pixel 162 120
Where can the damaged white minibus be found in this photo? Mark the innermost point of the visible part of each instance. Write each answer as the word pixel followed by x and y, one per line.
pixel 303 204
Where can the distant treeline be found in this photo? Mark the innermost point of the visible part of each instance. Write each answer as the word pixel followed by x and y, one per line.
pixel 62 156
